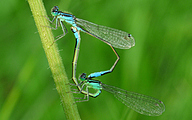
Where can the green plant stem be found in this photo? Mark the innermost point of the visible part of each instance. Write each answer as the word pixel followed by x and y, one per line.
pixel 54 60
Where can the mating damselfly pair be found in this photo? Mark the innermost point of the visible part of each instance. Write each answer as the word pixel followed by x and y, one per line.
pixel 114 38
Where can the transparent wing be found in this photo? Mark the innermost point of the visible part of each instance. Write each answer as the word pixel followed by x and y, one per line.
pixel 116 38
pixel 140 103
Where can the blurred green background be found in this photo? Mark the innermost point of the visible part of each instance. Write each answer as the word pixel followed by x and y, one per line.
pixel 160 65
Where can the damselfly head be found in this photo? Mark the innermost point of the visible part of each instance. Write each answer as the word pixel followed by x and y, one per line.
pixel 54 10
pixel 83 77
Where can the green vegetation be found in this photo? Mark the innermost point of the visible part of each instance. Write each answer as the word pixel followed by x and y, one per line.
pixel 159 65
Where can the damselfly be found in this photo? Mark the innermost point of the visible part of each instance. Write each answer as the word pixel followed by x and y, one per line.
pixel 112 37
